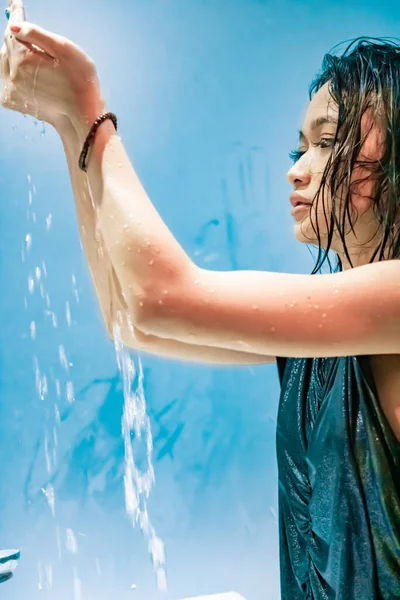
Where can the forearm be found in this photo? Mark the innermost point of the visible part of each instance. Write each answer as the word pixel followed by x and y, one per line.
pixel 98 258
pixel 201 354
pixel 142 250
pixel 189 352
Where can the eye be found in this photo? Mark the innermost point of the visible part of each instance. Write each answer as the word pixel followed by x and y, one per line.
pixel 326 142
pixel 295 155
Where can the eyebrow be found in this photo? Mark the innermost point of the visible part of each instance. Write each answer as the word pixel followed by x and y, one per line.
pixel 318 123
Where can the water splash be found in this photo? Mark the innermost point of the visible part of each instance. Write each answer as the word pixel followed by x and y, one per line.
pixel 77 585
pixel 50 496
pixel 68 314
pixel 50 389
pixel 71 543
pixel 138 444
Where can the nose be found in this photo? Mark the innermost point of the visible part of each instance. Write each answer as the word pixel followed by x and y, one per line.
pixel 299 176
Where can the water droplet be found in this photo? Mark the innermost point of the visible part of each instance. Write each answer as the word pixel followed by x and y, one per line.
pixel 49 576
pixel 31 284
pixel 71 544
pixel 68 314
pixel 70 392
pixel 28 242
pixel 50 496
pixel 63 357
pixel 98 568
pixel 40 576
pixel 32 328
pixel 151 262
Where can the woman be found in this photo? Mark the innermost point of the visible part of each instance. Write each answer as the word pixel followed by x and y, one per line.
pixel 338 435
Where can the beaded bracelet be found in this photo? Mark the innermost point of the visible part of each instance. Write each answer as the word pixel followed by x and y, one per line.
pixel 91 136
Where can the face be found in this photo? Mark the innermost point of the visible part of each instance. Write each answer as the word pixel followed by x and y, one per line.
pixel 315 146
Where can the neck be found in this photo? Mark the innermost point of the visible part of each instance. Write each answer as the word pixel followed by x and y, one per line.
pixel 359 257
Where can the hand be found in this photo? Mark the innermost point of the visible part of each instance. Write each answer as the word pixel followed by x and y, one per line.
pixel 45 75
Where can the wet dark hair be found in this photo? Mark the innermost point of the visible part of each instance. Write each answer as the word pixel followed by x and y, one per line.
pixel 366 76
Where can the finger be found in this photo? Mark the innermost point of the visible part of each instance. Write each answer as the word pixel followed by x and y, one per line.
pixel 35 49
pixel 17 12
pixel 52 44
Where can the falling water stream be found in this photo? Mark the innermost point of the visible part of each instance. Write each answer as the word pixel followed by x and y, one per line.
pixel 138 444
pixel 136 430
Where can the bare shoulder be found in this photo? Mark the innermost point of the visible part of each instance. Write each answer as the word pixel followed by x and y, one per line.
pixel 386 372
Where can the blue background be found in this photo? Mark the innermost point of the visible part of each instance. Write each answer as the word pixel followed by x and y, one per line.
pixel 209 95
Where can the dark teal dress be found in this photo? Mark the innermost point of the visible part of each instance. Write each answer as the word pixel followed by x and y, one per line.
pixel 339 483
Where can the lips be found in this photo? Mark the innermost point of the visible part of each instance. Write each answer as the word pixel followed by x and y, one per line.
pixel 298 200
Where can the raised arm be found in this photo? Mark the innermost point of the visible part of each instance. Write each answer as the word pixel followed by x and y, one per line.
pixel 163 293
pixel 34 61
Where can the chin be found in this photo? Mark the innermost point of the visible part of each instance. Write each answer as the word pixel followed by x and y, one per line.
pixel 304 232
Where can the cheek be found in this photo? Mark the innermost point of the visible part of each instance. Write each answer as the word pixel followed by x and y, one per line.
pixel 363 178
pixel 317 165
pixel 362 187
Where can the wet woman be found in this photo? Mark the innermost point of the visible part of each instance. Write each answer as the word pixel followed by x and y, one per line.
pixel 338 432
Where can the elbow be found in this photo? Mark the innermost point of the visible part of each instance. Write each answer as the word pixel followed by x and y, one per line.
pixel 152 313
pixel 162 311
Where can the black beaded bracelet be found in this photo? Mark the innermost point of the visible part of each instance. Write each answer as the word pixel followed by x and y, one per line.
pixel 91 135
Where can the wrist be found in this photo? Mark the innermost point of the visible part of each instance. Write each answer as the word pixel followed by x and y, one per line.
pixel 80 121
pixel 74 129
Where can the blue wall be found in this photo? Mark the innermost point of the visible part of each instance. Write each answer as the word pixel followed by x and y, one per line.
pixel 209 95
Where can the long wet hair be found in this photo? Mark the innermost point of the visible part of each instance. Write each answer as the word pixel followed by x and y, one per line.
pixel 365 77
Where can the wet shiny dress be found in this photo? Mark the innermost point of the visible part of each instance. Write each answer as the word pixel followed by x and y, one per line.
pixel 339 483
